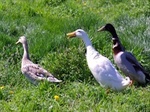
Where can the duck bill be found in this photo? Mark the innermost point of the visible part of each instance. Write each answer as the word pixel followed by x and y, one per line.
pixel 17 42
pixel 101 29
pixel 71 35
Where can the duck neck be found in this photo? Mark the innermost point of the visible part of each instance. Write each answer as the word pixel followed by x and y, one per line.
pixel 113 33
pixel 87 41
pixel 117 47
pixel 25 53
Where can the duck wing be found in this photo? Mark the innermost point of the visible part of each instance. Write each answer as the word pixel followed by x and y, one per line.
pixel 107 69
pixel 137 66
pixel 35 72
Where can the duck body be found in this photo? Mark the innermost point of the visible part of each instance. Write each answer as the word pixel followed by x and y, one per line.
pixel 101 67
pixel 104 72
pixel 125 61
pixel 32 71
pixel 35 72
pixel 128 68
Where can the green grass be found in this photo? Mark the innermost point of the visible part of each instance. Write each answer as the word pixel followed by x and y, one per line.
pixel 45 24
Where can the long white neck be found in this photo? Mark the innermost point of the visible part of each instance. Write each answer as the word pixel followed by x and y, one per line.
pixel 25 53
pixel 87 41
pixel 90 50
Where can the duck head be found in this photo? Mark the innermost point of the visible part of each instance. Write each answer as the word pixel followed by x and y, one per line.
pixel 78 33
pixel 110 28
pixel 117 46
pixel 81 34
pixel 22 40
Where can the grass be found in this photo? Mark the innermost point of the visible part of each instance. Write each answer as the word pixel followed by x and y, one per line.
pixel 45 24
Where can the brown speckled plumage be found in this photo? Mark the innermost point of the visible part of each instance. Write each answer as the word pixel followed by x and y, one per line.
pixel 32 71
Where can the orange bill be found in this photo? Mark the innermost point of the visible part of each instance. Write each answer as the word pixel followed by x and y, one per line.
pixel 71 35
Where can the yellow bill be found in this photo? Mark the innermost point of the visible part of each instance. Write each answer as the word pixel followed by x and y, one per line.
pixel 17 42
pixel 71 35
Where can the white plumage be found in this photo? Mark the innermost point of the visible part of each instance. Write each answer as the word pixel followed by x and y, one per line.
pixel 101 67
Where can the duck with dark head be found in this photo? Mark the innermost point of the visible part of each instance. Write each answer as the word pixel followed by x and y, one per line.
pixel 117 46
pixel 127 63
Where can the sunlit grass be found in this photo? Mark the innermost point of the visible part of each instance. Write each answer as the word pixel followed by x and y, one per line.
pixel 45 24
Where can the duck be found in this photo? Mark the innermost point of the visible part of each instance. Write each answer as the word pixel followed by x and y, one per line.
pixel 124 60
pixel 32 71
pixel 101 67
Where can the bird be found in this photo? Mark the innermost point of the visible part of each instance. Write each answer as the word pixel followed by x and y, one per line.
pixel 126 61
pixel 32 71
pixel 101 67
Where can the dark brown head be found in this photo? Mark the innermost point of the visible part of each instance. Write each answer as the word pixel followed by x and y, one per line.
pixel 117 46
pixel 110 28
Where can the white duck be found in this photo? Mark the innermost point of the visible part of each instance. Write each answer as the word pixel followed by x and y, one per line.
pixel 33 71
pixel 101 67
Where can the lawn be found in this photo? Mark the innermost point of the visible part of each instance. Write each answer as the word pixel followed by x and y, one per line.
pixel 45 24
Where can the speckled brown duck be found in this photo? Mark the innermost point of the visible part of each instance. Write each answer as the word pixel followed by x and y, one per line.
pixel 32 71
pixel 127 63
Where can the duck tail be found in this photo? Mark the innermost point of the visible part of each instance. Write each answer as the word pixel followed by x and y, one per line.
pixel 147 78
pixel 53 79
pixel 127 81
